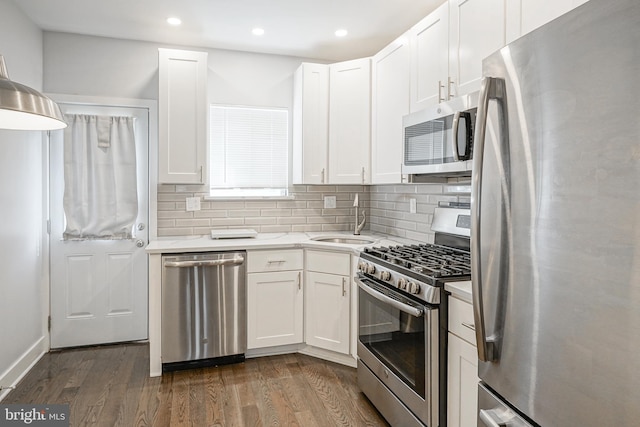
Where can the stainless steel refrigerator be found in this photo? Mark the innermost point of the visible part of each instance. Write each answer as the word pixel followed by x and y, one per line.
pixel 556 223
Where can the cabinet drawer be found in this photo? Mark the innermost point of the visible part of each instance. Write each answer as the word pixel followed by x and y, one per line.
pixel 461 320
pixel 264 261
pixel 329 262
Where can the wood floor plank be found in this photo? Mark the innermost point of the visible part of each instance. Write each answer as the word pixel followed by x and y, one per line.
pixel 214 395
pixel 110 386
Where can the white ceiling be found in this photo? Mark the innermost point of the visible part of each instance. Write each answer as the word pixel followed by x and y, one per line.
pixel 303 28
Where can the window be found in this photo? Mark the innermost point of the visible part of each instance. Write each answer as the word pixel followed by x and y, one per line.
pixel 249 151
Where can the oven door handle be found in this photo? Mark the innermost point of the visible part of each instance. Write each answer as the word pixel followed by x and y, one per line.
pixel 413 311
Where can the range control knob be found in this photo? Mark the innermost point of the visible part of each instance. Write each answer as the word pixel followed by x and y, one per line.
pixel 413 288
pixel 362 266
pixel 401 283
pixel 371 269
pixel 385 275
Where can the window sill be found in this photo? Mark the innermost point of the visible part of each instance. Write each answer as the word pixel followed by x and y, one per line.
pixel 266 198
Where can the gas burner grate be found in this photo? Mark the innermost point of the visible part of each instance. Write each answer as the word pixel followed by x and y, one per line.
pixel 429 260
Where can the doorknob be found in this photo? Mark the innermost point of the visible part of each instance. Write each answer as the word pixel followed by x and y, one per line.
pixel 140 243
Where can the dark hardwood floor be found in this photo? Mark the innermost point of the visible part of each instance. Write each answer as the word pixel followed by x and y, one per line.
pixel 110 386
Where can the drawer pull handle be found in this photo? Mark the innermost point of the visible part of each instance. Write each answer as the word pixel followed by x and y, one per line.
pixel 469 325
pixel 276 261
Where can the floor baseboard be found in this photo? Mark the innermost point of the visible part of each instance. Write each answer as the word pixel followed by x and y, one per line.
pixel 10 378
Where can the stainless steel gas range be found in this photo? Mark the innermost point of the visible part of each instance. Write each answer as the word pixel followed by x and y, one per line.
pixel 402 321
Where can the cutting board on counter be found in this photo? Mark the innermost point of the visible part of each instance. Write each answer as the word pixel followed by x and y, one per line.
pixel 241 233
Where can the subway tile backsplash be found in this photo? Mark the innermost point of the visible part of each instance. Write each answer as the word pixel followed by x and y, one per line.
pixel 305 212
pixel 386 206
pixel 390 207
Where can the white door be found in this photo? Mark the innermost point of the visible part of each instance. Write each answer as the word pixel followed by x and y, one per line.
pixel 99 287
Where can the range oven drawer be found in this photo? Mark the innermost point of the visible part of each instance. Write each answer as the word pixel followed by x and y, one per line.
pixel 391 408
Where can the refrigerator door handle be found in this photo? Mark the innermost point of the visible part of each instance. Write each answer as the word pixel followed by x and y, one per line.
pixel 492 88
pixel 491 419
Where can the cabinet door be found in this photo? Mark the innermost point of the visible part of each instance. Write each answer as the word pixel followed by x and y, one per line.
pixel 463 383
pixel 390 102
pixel 524 16
pixel 310 124
pixel 274 309
pixel 182 114
pixel 477 29
pixel 327 311
pixel 430 59
pixel 349 122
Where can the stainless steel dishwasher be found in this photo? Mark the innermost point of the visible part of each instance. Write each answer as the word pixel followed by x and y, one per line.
pixel 203 309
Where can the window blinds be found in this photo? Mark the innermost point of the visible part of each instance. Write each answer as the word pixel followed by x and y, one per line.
pixel 249 148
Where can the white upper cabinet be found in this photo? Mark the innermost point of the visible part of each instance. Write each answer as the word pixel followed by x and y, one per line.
pixel 390 102
pixel 311 124
pixel 350 122
pixel 448 46
pixel 477 29
pixel 182 111
pixel 429 73
pixel 524 16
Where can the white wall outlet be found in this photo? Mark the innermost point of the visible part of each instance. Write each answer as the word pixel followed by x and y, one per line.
pixel 193 204
pixel 413 207
pixel 329 202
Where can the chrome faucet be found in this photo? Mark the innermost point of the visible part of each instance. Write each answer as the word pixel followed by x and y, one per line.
pixel 358 227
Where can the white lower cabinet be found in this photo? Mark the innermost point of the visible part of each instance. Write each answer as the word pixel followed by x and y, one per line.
pixel 275 298
pixel 327 301
pixel 462 394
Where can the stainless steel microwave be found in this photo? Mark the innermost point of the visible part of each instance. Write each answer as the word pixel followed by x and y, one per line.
pixel 439 139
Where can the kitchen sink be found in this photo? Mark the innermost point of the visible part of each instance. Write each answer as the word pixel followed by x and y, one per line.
pixel 344 240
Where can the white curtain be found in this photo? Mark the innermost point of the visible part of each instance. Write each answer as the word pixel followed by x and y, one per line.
pixel 100 186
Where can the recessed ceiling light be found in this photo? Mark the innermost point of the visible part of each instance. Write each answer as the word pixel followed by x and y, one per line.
pixel 174 21
pixel 257 31
pixel 341 33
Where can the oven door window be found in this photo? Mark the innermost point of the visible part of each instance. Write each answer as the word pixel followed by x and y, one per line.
pixel 396 338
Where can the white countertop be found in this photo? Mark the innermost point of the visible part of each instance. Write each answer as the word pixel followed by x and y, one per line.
pixel 268 241
pixel 461 290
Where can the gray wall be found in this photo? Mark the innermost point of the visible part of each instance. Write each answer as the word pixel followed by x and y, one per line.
pixel 23 242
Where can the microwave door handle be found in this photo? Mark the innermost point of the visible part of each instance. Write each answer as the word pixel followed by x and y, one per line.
pixel 454 135
pixel 467 136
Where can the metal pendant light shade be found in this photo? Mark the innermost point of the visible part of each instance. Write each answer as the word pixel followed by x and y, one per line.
pixel 23 108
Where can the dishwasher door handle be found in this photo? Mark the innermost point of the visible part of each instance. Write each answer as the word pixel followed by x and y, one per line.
pixel 205 262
